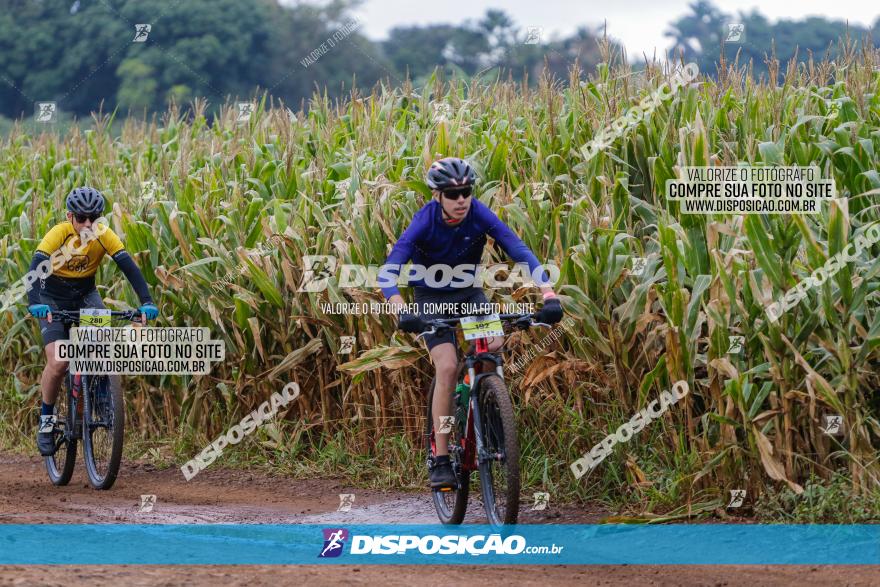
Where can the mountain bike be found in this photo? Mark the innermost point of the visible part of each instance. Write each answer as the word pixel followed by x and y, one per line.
pixel 89 408
pixel 483 434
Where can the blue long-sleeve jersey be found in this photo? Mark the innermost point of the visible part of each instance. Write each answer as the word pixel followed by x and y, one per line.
pixel 429 240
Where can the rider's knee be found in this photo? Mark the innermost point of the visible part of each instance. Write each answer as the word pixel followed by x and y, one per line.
pixel 54 366
pixel 446 368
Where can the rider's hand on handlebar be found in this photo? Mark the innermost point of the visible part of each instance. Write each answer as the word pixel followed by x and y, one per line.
pixel 551 312
pixel 39 310
pixel 411 323
pixel 149 310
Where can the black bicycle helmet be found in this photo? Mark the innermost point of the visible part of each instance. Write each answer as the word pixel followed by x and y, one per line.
pixel 85 200
pixel 450 173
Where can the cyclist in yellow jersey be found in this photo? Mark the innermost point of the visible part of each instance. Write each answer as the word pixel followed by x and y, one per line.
pixel 75 249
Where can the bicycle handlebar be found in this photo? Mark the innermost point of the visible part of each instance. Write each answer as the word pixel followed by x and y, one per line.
pixel 442 324
pixel 72 316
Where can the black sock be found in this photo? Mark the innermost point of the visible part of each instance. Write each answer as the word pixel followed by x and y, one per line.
pixel 47 409
pixel 441 459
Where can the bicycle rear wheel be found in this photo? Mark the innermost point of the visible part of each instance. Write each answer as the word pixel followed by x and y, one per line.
pixel 451 505
pixel 498 456
pixel 60 465
pixel 103 428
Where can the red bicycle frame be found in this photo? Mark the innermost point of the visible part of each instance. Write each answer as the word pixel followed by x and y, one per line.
pixel 469 443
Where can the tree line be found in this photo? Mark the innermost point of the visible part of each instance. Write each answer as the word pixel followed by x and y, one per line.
pixel 90 54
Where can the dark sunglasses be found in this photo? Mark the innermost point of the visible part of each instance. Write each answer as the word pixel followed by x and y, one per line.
pixel 456 194
pixel 83 217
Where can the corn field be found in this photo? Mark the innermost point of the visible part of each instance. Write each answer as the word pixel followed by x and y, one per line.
pixel 345 178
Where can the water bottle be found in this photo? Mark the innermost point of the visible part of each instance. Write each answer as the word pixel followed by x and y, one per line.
pixel 462 397
pixel 462 394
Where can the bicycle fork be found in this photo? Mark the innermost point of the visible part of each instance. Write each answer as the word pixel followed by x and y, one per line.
pixel 76 387
pixel 481 346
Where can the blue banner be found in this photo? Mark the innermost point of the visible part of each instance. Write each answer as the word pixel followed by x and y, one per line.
pixel 276 544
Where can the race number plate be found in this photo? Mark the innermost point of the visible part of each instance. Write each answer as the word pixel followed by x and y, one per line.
pixel 94 317
pixel 481 326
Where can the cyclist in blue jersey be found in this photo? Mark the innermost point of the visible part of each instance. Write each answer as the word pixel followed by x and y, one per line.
pixel 451 230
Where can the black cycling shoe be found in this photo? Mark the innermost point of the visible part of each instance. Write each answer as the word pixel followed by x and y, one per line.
pixel 46 436
pixel 442 476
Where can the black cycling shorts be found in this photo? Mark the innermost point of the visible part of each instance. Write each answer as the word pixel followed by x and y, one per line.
pixel 57 330
pixel 423 297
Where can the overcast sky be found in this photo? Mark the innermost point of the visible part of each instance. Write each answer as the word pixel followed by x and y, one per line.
pixel 639 24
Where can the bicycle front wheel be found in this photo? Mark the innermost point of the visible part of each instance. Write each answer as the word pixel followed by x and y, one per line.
pixel 103 428
pixel 498 453
pixel 60 465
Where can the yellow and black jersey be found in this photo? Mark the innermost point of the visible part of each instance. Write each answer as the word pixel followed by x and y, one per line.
pixel 73 262
pixel 81 264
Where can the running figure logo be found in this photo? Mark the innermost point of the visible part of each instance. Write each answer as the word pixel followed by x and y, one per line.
pixel 542 499
pixel 334 541
pixel 45 111
pixel 832 424
pixel 141 32
pixel 442 111
pixel 346 345
pixel 346 500
pixel 533 35
pixel 245 109
pixel 639 264
pixel 737 497
pixel 147 503
pixel 447 423
pixel 735 32
pixel 342 186
pixel 318 269
pixel 148 189
pixel 735 344
pixel 540 190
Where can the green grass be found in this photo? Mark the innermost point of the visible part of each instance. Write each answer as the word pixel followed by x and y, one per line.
pixel 822 502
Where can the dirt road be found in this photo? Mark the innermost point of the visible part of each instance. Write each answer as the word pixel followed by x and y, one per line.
pixel 224 496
